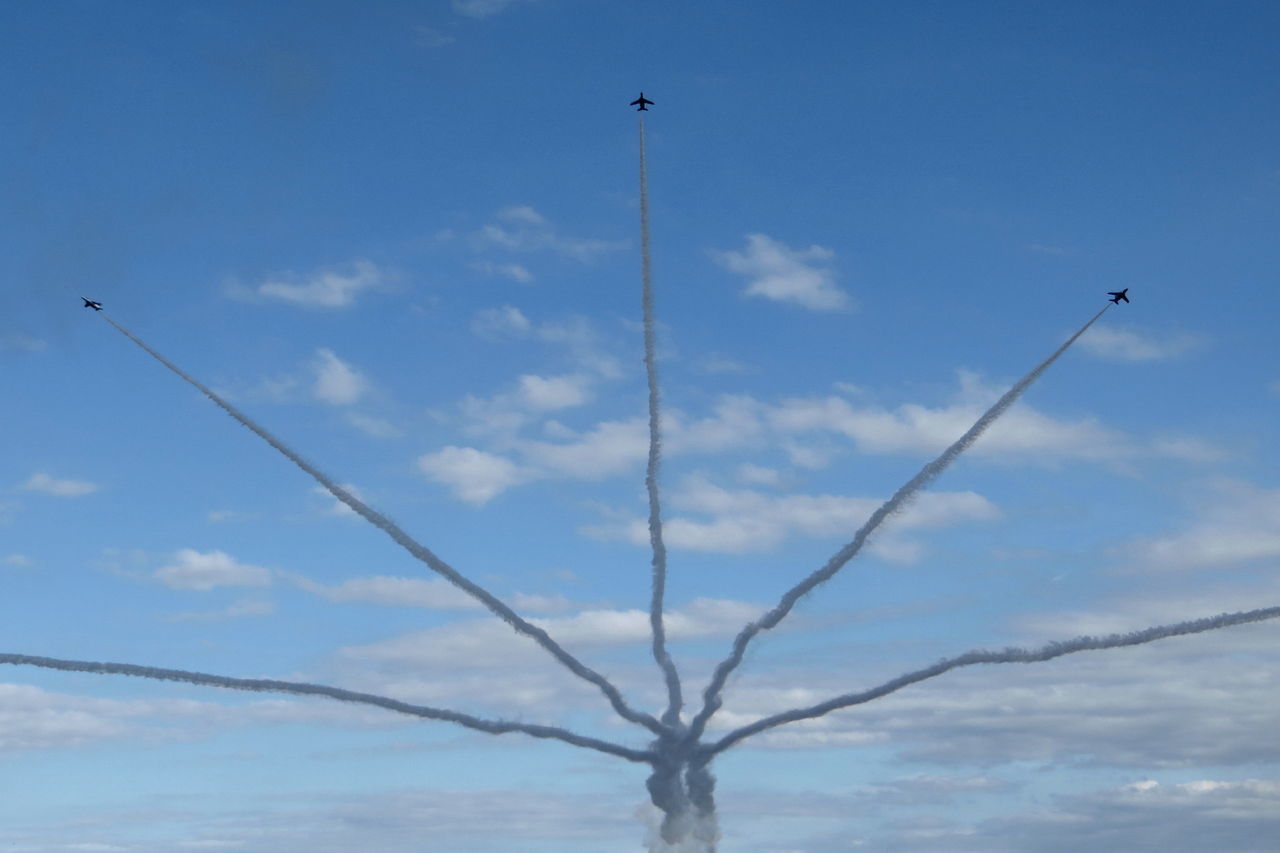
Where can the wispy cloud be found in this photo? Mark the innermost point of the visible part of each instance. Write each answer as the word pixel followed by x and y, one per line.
pixel 715 519
pixel 192 569
pixel 49 485
pixel 799 276
pixel 325 288
pixel 484 8
pixel 520 228
pixel 336 382
pixel 1128 344
pixel 515 272
pixel 430 37
pixel 246 609
pixel 1236 523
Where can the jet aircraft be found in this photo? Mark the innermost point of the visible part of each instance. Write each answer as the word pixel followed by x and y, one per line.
pixel 1117 295
pixel 89 303
pixel 642 100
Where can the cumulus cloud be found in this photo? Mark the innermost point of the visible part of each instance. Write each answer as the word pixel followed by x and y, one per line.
pixel 336 382
pixel 49 485
pixel 475 476
pixel 799 276
pixel 192 569
pixel 1128 344
pixel 326 288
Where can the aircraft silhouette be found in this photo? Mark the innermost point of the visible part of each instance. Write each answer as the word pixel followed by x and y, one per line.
pixel 1117 295
pixel 642 100
pixel 89 303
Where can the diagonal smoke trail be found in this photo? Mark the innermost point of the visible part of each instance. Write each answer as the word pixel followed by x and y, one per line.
pixel 711 696
pixel 1010 655
pixel 659 548
pixel 264 685
pixel 439 566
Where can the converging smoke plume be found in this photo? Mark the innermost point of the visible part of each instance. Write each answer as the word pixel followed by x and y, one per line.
pixel 417 550
pixel 681 786
pixel 674 700
pixel 900 498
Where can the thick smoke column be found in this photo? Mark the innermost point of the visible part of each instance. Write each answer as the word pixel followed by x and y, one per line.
pixel 419 551
pixel 1009 655
pixel 711 696
pixel 264 685
pixel 659 548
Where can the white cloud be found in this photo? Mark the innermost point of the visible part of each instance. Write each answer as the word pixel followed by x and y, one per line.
pixel 1238 523
pixel 475 476
pixel 737 521
pixel 48 485
pixel 491 643
pixel 336 382
pixel 1128 344
pixel 429 37
pixel 375 427
pixel 484 8
pixel 15 560
pixel 506 322
pixel 515 272
pixel 429 593
pixel 799 276
pixel 520 228
pixel 553 392
pixel 192 569
pixel 337 507
pixel 329 288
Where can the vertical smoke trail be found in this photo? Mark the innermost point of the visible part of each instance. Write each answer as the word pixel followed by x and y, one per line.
pixel 659 548
pixel 420 552
pixel 1010 655
pixel 266 685
pixel 711 696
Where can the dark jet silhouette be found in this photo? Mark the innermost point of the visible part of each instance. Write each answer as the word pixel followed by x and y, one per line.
pixel 642 100
pixel 89 303
pixel 1117 295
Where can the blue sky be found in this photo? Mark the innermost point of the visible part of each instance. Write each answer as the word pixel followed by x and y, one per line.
pixel 404 238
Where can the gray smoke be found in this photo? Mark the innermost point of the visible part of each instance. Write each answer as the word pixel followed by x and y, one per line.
pixel 674 700
pixel 1009 655
pixel 420 552
pixel 265 685
pixel 712 695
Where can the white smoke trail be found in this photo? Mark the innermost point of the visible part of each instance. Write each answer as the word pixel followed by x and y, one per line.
pixel 420 552
pixel 656 544
pixel 711 696
pixel 1009 655
pixel 265 685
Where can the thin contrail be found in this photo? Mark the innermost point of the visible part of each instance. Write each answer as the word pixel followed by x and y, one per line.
pixel 674 700
pixel 419 551
pixel 1010 655
pixel 711 696
pixel 265 685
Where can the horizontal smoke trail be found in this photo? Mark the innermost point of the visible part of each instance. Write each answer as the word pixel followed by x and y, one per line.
pixel 674 700
pixel 1010 655
pixel 711 696
pixel 439 566
pixel 265 685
